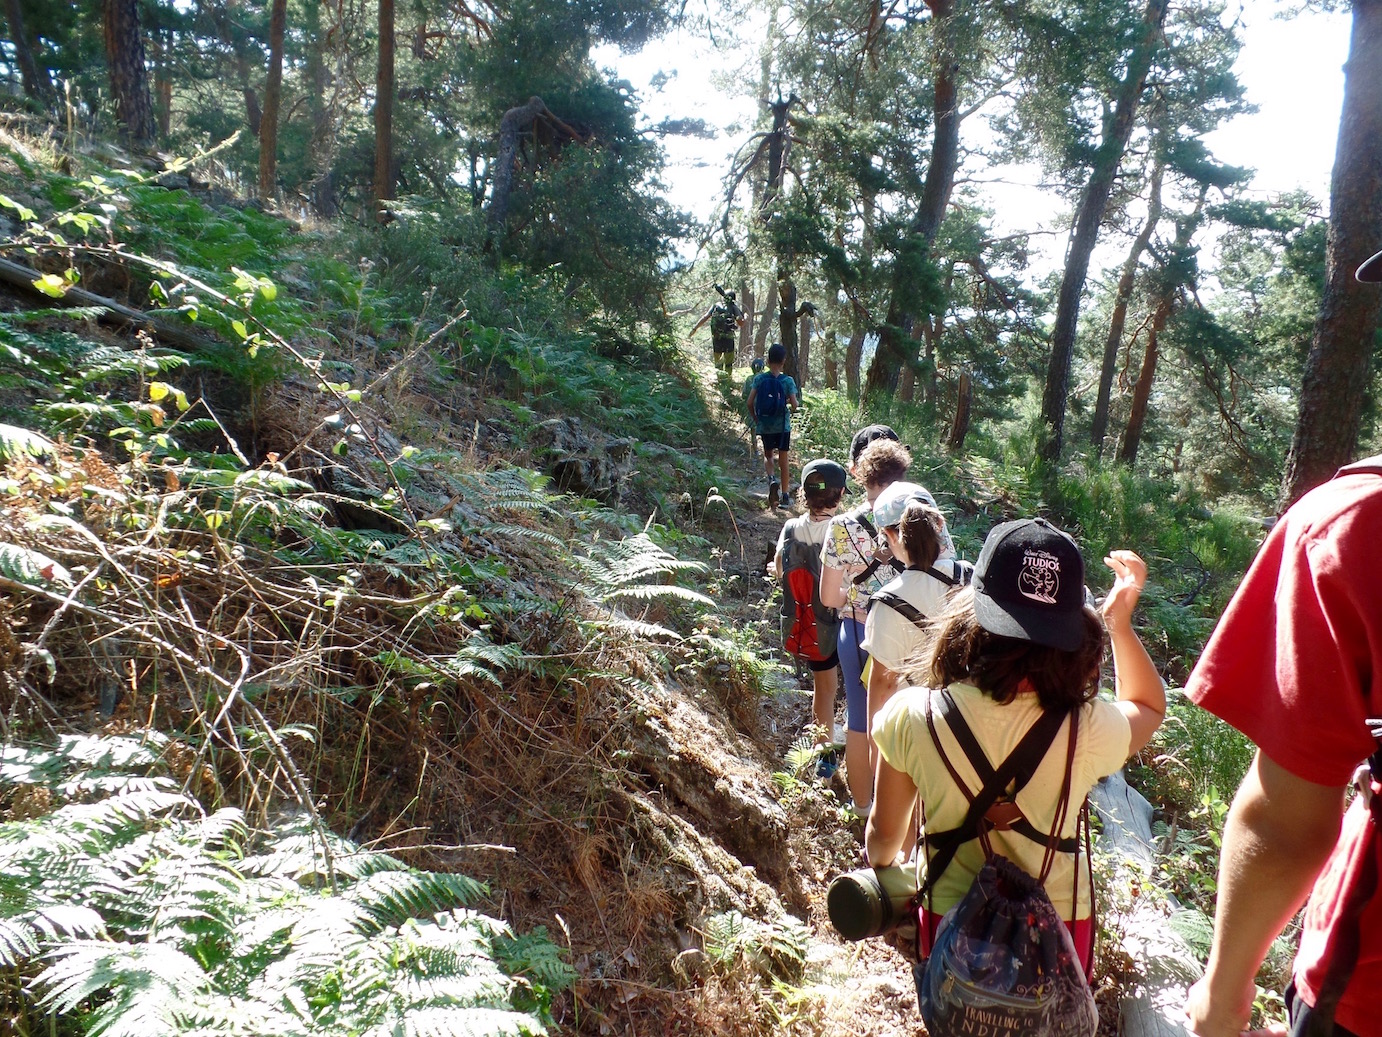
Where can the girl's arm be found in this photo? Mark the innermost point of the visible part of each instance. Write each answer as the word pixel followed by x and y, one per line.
pixel 883 684
pixel 833 587
pixel 1141 695
pixel 890 820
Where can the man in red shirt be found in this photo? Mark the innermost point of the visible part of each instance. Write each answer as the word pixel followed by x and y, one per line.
pixel 1291 665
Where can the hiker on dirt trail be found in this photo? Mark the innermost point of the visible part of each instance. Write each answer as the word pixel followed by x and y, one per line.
pixel 799 551
pixel 899 614
pixel 1015 645
pixel 851 571
pixel 1294 665
pixel 756 368
pixel 725 318
pixel 772 400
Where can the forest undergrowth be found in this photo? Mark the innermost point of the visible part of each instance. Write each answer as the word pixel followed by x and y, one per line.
pixel 394 595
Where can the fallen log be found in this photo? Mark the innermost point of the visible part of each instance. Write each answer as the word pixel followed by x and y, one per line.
pixel 113 313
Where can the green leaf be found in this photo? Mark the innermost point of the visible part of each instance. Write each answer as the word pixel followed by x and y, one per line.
pixel 32 568
pixel 51 285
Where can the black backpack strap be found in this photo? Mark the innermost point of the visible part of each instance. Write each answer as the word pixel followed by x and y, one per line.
pixel 936 574
pixel 1021 775
pixel 1025 758
pixel 964 573
pixel 901 606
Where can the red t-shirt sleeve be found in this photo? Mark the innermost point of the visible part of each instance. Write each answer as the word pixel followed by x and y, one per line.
pixel 1291 661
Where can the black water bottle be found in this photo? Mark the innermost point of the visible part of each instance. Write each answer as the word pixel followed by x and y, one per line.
pixel 870 901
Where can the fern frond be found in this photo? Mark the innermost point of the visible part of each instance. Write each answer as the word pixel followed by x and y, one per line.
pixel 653 591
pixel 636 628
pixel 22 936
pixel 31 568
pixel 524 533
pixel 388 898
pixel 146 984
pixel 16 442
pixel 469 1022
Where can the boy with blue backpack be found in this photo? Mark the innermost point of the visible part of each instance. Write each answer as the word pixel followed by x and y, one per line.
pixel 773 396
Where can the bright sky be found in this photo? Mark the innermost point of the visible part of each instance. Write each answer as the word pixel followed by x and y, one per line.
pixel 1292 70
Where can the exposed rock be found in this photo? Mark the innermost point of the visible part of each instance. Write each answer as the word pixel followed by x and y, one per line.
pixel 580 461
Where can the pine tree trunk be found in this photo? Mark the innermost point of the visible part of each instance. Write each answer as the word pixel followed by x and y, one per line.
pixel 129 75
pixel 964 398
pixel 273 93
pixel 1085 233
pixel 804 349
pixel 914 253
pixel 832 372
pixel 1141 396
pixel 1336 370
pixel 746 307
pixel 33 75
pixel 787 324
pixel 854 354
pixel 321 149
pixel 383 110
pixel 1120 308
pixel 765 321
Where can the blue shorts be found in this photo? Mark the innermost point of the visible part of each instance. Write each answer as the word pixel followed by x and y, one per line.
pixel 852 659
pixel 776 441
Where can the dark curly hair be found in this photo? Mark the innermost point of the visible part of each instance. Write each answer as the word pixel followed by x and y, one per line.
pixel 961 650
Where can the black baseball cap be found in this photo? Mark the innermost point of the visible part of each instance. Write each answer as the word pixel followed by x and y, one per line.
pixel 1029 585
pixel 1371 270
pixel 867 435
pixel 823 474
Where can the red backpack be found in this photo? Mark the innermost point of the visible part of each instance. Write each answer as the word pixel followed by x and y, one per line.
pixel 809 629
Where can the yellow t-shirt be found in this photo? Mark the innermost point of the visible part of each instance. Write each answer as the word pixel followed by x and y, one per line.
pixel 1101 747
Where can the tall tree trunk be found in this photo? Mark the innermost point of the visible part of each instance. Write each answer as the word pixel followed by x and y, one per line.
pixel 383 110
pixel 1142 391
pixel 765 321
pixel 163 84
pixel 907 383
pixel 1093 202
pixel 33 75
pixel 515 120
pixel 787 323
pixel 964 400
pixel 746 307
pixel 129 76
pixel 915 251
pixel 322 110
pixel 1336 371
pixel 854 354
pixel 832 369
pixel 804 349
pixel 1120 307
pixel 273 93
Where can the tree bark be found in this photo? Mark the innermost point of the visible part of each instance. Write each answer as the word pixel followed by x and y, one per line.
pixel 515 120
pixel 854 354
pixel 273 93
pixel 321 148
pixel 33 75
pixel 1142 391
pixel 129 75
pixel 383 110
pixel 746 307
pixel 765 321
pixel 804 349
pixel 1093 203
pixel 964 399
pixel 1120 308
pixel 915 250
pixel 1336 370
pixel 787 325
pixel 832 373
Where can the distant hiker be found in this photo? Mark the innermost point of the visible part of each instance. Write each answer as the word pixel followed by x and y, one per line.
pixel 810 630
pixel 850 573
pixel 1294 664
pixel 900 613
pixel 771 400
pixel 1016 655
pixel 756 370
pixel 725 318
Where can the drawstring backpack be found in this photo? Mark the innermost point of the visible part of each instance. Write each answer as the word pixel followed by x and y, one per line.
pixel 1002 961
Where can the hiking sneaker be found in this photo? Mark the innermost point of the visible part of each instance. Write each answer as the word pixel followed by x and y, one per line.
pixel 827 765
pixel 785 499
pixel 773 494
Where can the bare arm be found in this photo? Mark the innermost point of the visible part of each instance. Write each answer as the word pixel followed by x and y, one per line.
pixel 753 395
pixel 700 323
pixel 833 587
pixel 890 821
pixel 883 684
pixel 1141 695
pixel 1278 836
pixel 777 564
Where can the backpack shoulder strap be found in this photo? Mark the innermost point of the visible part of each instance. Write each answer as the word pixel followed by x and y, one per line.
pixel 1026 757
pixel 900 605
pixel 963 574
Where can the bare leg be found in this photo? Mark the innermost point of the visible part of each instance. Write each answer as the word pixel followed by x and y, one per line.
pixel 783 458
pixel 858 771
pixel 827 684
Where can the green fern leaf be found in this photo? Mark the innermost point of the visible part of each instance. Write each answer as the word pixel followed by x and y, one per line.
pixel 15 442
pixel 31 568
pixel 390 897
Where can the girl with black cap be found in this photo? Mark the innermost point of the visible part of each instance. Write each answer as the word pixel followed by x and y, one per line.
pixel 1020 641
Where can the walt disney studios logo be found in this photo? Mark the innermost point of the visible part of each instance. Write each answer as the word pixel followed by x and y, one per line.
pixel 1039 578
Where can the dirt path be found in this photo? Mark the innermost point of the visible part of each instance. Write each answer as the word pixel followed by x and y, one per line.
pixel 864 988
